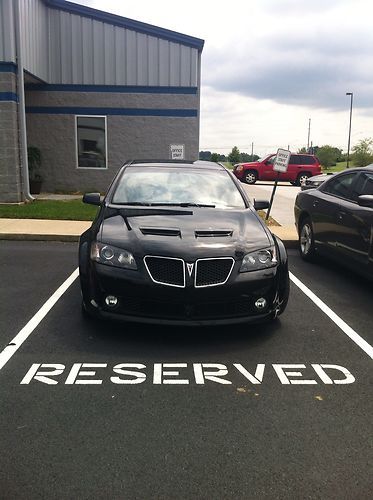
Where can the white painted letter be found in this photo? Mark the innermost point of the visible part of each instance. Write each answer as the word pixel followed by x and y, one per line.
pixel 254 379
pixel 159 373
pixel 283 375
pixel 319 369
pixel 139 376
pixel 43 376
pixel 201 375
pixel 75 372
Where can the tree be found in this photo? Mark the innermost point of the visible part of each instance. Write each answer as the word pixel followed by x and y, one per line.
pixel 246 157
pixel 215 157
pixel 363 152
pixel 328 155
pixel 205 155
pixel 234 155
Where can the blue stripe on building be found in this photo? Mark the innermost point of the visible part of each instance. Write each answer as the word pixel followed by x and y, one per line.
pixel 111 111
pixel 8 96
pixel 132 89
pixel 8 67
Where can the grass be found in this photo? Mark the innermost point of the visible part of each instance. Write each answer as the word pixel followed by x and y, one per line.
pixel 64 210
pixel 49 209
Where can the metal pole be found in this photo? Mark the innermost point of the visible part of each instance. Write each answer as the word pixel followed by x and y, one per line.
pixel 272 196
pixel 309 131
pixel 252 151
pixel 21 107
pixel 351 94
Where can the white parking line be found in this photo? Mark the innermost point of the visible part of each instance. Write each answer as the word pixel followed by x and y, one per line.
pixel 26 331
pixel 355 337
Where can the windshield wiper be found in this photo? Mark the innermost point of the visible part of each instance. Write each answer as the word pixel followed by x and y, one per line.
pixel 186 204
pixel 133 204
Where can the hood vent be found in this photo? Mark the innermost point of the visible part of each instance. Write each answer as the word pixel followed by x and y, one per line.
pixel 210 233
pixel 160 231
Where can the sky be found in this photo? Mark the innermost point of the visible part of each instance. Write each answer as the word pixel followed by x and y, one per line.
pixel 271 68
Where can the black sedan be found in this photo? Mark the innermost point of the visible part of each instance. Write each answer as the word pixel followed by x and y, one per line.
pixel 336 219
pixel 181 244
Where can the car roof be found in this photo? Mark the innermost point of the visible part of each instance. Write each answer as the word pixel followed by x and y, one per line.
pixel 177 164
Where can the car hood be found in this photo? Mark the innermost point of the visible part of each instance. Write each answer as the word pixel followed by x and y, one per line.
pixel 203 232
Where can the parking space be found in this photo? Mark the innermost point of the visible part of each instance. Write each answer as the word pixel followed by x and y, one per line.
pixel 105 410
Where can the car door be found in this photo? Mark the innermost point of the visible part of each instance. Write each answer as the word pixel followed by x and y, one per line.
pixel 268 174
pixel 354 241
pixel 326 207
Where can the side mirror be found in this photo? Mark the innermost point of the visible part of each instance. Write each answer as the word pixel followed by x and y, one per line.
pixel 92 198
pixel 366 200
pixel 261 204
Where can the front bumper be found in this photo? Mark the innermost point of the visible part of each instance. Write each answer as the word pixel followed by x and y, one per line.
pixel 141 300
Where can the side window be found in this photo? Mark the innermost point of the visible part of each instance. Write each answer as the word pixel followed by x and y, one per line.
pixel 91 141
pixel 364 185
pixel 294 160
pixel 341 186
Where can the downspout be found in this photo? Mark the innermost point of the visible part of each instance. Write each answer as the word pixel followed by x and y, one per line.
pixel 21 106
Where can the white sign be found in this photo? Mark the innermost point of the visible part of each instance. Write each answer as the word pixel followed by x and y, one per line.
pixel 177 151
pixel 282 160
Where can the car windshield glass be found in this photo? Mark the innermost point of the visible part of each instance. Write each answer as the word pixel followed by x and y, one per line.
pixel 177 186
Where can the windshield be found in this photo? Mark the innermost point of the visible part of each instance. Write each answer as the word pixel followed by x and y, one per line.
pixel 177 186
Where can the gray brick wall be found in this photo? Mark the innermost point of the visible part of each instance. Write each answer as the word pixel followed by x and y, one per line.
pixel 128 137
pixel 10 179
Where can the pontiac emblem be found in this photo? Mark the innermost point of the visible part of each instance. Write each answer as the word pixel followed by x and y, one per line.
pixel 190 268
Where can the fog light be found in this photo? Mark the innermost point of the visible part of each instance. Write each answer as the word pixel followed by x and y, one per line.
pixel 261 303
pixel 111 301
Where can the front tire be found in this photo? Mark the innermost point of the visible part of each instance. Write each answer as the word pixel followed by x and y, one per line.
pixel 251 177
pixel 302 178
pixel 307 241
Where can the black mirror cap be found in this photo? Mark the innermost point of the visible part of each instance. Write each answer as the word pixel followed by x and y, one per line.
pixel 92 198
pixel 366 200
pixel 261 204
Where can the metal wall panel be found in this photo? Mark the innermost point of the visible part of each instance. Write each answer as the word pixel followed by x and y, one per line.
pixel 88 51
pixel 66 48
pixel 7 35
pixel 34 37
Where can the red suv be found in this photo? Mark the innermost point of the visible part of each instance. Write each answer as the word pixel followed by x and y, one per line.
pixel 301 166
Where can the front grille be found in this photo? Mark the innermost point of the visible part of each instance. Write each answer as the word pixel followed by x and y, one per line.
pixel 173 309
pixel 166 270
pixel 212 272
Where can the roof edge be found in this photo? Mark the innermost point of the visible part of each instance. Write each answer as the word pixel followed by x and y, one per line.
pixel 124 22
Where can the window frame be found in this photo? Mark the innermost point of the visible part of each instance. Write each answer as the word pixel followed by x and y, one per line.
pixel 324 188
pixel 77 145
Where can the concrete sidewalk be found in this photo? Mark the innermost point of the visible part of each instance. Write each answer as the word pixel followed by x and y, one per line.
pixel 64 230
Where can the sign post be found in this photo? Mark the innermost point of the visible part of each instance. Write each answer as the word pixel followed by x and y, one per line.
pixel 280 165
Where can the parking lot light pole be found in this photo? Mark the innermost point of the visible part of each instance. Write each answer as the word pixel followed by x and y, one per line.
pixel 351 94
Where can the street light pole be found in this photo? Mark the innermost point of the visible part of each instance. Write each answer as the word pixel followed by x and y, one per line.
pixel 309 131
pixel 351 94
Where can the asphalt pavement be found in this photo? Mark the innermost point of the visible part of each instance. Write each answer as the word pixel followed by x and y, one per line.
pixel 96 409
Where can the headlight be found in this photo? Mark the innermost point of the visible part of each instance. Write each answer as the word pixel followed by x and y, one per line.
pixel 112 256
pixel 261 259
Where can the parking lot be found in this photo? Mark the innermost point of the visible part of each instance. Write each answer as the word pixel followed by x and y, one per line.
pixel 105 410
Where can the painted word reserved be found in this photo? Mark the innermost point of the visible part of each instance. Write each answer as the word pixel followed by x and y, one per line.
pixel 177 373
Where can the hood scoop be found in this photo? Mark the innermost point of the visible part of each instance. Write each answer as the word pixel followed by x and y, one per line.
pixel 160 231
pixel 211 233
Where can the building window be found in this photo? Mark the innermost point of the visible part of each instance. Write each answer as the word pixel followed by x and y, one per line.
pixel 91 141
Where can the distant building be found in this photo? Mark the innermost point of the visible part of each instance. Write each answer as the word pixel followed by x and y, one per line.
pixel 96 89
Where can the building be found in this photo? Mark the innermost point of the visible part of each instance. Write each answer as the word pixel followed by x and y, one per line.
pixel 91 90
